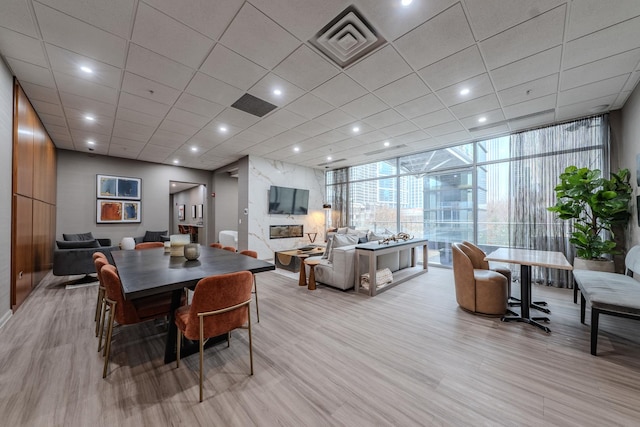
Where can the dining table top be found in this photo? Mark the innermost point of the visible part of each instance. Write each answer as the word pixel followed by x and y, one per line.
pixel 530 257
pixel 153 271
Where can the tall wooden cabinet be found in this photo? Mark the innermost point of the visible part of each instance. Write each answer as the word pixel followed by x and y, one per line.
pixel 34 200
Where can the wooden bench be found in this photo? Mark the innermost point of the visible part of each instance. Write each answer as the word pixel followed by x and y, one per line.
pixel 610 293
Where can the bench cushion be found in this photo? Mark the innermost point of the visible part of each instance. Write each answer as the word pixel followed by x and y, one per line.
pixel 609 291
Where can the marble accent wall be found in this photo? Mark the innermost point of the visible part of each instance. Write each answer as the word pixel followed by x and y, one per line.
pixel 263 173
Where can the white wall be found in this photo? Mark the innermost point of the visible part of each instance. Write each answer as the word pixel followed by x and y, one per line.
pixel 76 202
pixel 262 174
pixel 627 152
pixel 6 144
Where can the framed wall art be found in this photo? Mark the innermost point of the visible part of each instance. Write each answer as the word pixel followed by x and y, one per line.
pixel 118 187
pixel 193 211
pixel 117 211
pixel 180 212
pixel 199 211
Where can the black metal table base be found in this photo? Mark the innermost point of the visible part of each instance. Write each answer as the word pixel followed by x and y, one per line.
pixel 526 303
pixel 532 321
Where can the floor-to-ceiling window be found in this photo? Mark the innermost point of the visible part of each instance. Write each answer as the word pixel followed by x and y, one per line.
pixel 493 192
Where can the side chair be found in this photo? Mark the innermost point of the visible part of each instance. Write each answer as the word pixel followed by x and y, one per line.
pixel 220 304
pixel 216 245
pixel 149 245
pixel 229 248
pixel 99 301
pixel 254 254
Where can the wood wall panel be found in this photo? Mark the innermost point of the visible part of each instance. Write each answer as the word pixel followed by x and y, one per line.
pixel 44 188
pixel 22 257
pixel 43 238
pixel 25 121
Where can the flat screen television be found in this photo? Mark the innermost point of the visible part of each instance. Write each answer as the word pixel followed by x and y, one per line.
pixel 288 201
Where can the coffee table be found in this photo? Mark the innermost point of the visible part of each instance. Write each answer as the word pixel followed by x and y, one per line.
pixel 291 259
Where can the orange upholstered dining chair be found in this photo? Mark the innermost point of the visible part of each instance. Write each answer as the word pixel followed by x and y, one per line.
pixel 149 245
pixel 127 312
pixel 95 256
pixel 220 304
pixel 229 248
pixel 216 245
pixel 99 263
pixel 254 254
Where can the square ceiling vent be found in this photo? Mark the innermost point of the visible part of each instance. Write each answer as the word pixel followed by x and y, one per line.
pixel 252 105
pixel 347 38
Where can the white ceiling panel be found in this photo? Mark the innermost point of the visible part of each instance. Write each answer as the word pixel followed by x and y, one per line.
pixel 439 37
pixel 145 88
pixel 213 90
pixel 137 103
pixel 198 105
pixel 613 66
pixel 399 129
pixel 530 68
pixel 535 35
pixel 179 128
pixel 573 111
pixel 588 16
pixel 87 105
pixel 339 90
pixel 17 17
pixel 306 69
pixel 155 153
pixel 32 73
pixel 445 128
pixel 482 120
pixel 383 119
pixel 47 107
pixel 130 130
pixel 364 107
pixel 68 62
pixel 402 90
pixel 40 93
pixel 86 88
pixel 124 151
pixel 532 106
pixel 231 68
pixel 475 106
pixel 433 119
pixel 285 118
pixel 417 107
pixel 164 35
pixel 50 119
pixel 237 118
pixel 167 138
pixel 145 63
pixel 477 86
pixel 594 90
pixel 309 106
pixel 530 90
pixel 531 122
pixel 187 118
pixel 253 35
pixel 25 48
pixel 335 119
pixel 138 117
pixel 458 67
pixel 80 37
pixel 114 16
pixel 388 64
pixel 311 128
pixel 265 87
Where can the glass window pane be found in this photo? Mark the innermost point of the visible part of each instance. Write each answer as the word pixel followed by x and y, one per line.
pixel 433 161
pixel 412 213
pixel 493 205
pixel 373 205
pixel 373 170
pixel 494 149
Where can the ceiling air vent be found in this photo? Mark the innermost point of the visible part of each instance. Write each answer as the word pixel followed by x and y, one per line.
pixel 252 105
pixel 330 162
pixel 382 150
pixel 347 38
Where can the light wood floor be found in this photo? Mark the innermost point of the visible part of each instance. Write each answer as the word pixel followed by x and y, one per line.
pixel 408 356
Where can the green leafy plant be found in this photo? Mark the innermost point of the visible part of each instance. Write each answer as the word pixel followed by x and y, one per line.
pixel 596 204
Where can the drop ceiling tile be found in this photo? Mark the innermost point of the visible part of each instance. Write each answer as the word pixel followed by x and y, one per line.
pixel 16 16
pixel 50 119
pixel 584 108
pixel 179 128
pixel 59 132
pixel 80 37
pixel 69 63
pixel 335 119
pixel 130 130
pixel 102 126
pixel 311 128
pixel 267 129
pixel 475 106
pixel 82 137
pixel 491 131
pixel 237 118
pixel 252 136
pixel 145 63
pixel 166 138
pixel 388 65
pixel 339 90
pixel 155 153
pixel 591 91
pixel 478 86
pixel 410 137
pixel 364 107
pixel 588 16
pixel 86 88
pixel 490 117
pixel 620 100
pixel 494 16
pixel 373 136
pixel 114 16
pixel 231 68
pixel 453 69
pixel 453 138
pixel 530 122
pixel 124 142
pixel 531 68
pixel 138 117
pixel 607 42
pixel 213 90
pixel 47 107
pixel 433 119
pixel 40 93
pixel 632 82
pixel 187 118
pixel 24 48
pixel 616 65
pixel 124 151
pixel 535 35
pixel 164 35
pixel 439 37
pixel 198 105
pixel 330 137
pixel 530 107
pixel 143 105
pixel 350 132
pixel 149 89
pixel 32 73
pixel 265 87
pixel 399 129
pixel 418 107
pixel 306 69
pixel 384 118
pixel 207 17
pixel 285 118
pixel 309 106
pixel 86 105
pixel 256 37
pixel 530 90
pixel 402 90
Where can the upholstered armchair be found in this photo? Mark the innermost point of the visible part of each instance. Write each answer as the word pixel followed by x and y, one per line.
pixel 478 290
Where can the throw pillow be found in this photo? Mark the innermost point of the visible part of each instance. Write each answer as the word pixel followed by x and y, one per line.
pixel 327 250
pixel 340 240
pixel 154 236
pixel 77 244
pixel 76 237
pixel 373 237
pixel 342 230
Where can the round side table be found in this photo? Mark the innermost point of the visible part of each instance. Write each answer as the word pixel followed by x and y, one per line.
pixel 312 275
pixel 302 281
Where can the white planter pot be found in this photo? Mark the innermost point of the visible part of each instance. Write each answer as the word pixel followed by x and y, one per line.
pixel 594 265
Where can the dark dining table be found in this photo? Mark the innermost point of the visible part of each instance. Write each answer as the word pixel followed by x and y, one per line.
pixel 153 271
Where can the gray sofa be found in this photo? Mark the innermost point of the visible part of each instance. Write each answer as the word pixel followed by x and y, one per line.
pixel 153 236
pixel 74 254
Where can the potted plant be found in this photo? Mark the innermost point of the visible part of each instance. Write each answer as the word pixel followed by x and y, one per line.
pixel 596 204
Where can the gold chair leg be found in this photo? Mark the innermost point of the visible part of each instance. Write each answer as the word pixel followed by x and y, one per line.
pixel 178 348
pixel 98 306
pixel 201 353
pixel 107 348
pixel 250 344
pixel 103 314
pixel 255 291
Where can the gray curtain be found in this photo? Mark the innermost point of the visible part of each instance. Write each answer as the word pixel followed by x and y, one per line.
pixel 538 158
pixel 338 197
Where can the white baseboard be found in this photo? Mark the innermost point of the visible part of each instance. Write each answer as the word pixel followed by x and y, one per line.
pixel 5 318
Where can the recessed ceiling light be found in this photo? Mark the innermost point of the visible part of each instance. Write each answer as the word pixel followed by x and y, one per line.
pixel 387 143
pixel 296 149
pixel 406 2
pixel 86 69
pixel 176 161
pixel 356 129
pixel 194 149
pixel 482 119
pixel 223 128
pixel 329 158
pixel 90 142
pixel 90 118
pixel 465 91
pixel 173 184
pixel 277 92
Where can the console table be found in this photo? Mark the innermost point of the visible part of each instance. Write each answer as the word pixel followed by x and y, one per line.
pixel 374 249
